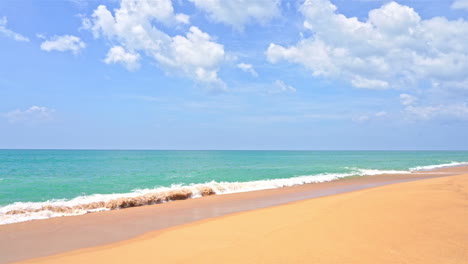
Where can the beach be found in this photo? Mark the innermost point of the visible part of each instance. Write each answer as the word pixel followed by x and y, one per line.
pixel 405 218
pixel 234 131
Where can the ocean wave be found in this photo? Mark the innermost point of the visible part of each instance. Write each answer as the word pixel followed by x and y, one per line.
pixel 438 166
pixel 24 211
pixel 370 172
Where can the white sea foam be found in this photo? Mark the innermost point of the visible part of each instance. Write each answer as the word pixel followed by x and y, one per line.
pixel 24 211
pixel 378 172
pixel 432 167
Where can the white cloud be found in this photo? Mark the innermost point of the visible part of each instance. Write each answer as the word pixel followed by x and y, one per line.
pixel 460 4
pixel 63 43
pixel 393 48
pixel 361 82
pixel 281 87
pixel 41 36
pixel 456 111
pixel 194 55
pixel 381 114
pixel 407 99
pixel 247 68
pixel 183 18
pixel 117 54
pixel 9 33
pixel 442 111
pixel 31 115
pixel 238 13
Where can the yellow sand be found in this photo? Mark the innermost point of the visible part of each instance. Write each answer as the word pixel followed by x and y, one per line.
pixel 415 222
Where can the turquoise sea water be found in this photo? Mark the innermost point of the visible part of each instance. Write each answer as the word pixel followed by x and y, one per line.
pixel 34 178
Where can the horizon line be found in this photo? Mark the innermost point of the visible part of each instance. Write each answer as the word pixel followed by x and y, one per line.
pixel 136 149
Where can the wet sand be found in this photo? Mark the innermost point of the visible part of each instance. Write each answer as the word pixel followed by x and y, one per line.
pixel 38 238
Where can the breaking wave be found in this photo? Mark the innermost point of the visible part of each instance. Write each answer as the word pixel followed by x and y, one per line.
pixel 24 211
pixel 432 167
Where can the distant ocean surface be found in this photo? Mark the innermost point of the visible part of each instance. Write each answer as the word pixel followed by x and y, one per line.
pixel 37 184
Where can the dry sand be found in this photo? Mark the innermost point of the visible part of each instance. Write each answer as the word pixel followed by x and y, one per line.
pixel 412 222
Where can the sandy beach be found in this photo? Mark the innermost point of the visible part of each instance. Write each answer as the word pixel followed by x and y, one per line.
pixel 405 222
pixel 234 131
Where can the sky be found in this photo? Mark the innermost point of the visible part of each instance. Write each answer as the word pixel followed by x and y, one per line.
pixel 234 74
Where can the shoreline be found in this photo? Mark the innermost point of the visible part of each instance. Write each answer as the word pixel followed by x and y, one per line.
pixel 27 211
pixel 25 240
pixel 420 222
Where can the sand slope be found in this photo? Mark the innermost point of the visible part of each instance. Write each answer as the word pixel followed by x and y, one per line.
pixel 415 222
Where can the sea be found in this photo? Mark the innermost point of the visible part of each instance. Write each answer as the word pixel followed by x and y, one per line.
pixel 39 184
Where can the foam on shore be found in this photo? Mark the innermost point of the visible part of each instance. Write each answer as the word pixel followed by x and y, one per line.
pixel 438 166
pixel 419 222
pixel 25 211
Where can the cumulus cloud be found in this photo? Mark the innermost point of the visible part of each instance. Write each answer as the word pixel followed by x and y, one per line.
pixel 9 33
pixel 132 25
pixel 238 13
pixel 117 54
pixel 195 55
pixel 63 43
pixel 183 18
pixel 31 115
pixel 460 4
pixel 247 68
pixel 393 48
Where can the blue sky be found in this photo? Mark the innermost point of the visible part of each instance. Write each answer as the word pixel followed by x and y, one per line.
pixel 234 74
